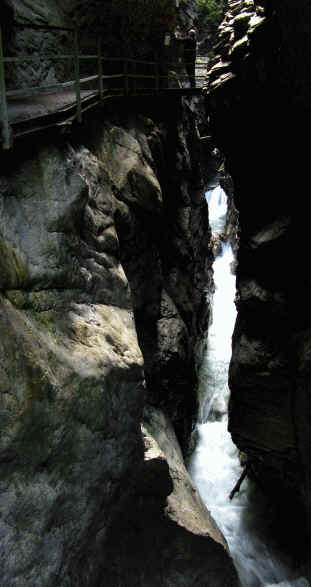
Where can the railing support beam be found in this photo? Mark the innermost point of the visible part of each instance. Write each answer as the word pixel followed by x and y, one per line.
pixel 100 68
pixel 4 116
pixel 77 75
pixel 126 78
pixel 156 76
pixel 134 68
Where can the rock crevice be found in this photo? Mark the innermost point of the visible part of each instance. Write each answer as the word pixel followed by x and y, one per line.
pixel 105 267
pixel 258 106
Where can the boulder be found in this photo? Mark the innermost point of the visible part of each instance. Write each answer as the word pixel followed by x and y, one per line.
pixel 168 536
pixel 70 367
pixel 255 119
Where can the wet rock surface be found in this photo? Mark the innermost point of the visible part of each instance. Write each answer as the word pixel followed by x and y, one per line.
pixel 258 106
pixel 42 30
pixel 103 264
pixel 168 536
pixel 165 252
pixel 71 368
pixel 104 269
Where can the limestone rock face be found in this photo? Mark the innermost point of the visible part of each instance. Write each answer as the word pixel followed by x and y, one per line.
pixel 104 270
pixel 258 102
pixel 125 27
pixel 168 536
pixel 103 240
pixel 35 42
pixel 70 366
pixel 162 226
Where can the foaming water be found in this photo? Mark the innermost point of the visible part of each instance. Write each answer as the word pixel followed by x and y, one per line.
pixel 215 466
pixel 215 389
pixel 217 209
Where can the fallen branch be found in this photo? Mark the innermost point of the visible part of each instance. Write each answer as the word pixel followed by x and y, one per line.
pixel 238 484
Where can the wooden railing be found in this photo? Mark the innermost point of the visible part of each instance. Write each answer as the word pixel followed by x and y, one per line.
pixel 128 79
pixel 4 118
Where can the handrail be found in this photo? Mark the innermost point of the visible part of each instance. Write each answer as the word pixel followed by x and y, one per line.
pixel 77 75
pixel 3 103
pixel 129 76
pixel 42 27
pixel 35 90
pixel 52 56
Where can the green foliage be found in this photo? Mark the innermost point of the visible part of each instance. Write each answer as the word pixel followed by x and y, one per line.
pixel 210 11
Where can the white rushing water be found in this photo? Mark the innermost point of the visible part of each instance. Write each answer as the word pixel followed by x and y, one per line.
pixel 214 465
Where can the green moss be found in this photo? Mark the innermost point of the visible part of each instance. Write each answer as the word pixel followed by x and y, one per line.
pixel 48 323
pixel 13 272
pixel 17 297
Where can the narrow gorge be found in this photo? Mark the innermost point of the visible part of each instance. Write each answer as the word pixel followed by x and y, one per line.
pixel 107 283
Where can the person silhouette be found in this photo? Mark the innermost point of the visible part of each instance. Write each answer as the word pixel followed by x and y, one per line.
pixel 190 51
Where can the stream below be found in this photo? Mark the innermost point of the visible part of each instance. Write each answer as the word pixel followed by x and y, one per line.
pixel 215 466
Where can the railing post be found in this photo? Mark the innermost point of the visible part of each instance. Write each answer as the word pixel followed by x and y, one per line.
pixel 126 79
pixel 156 73
pixel 77 75
pixel 100 68
pixel 4 117
pixel 134 78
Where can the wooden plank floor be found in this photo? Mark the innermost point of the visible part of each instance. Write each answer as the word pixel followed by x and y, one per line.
pixel 28 114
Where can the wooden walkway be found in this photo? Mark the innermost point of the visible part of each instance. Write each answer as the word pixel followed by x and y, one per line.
pixel 28 110
pixel 29 115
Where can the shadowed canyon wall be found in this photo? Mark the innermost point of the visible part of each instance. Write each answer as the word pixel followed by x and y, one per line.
pixel 258 98
pixel 104 269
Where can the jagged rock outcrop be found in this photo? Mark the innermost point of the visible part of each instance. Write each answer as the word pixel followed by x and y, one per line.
pixel 168 536
pixel 162 225
pixel 36 42
pixel 258 101
pixel 104 269
pixel 71 369
pixel 126 28
pixel 104 258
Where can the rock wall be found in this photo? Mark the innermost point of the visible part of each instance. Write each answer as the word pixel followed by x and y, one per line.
pixel 161 219
pixel 126 28
pixel 71 369
pixel 168 536
pixel 104 269
pixel 36 42
pixel 258 99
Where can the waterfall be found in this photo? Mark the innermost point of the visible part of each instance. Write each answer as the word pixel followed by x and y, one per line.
pixel 214 465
